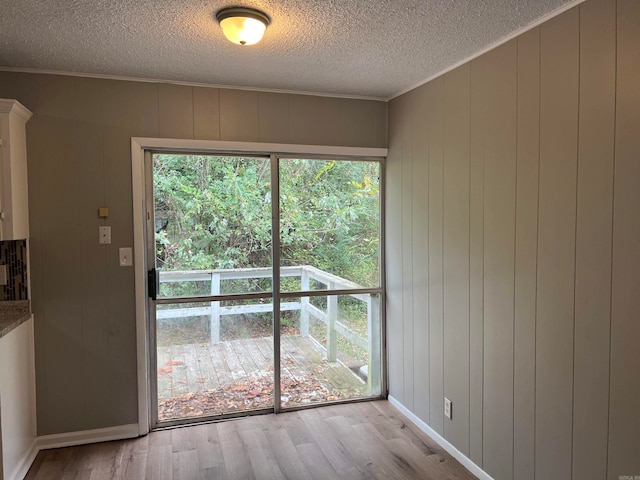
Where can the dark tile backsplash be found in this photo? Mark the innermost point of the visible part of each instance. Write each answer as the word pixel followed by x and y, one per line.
pixel 13 253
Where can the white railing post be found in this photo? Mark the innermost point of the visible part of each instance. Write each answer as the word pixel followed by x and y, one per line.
pixel 373 331
pixel 304 303
pixel 332 316
pixel 215 309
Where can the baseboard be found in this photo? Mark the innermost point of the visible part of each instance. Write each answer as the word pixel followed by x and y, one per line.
pixel 453 451
pixel 24 464
pixel 70 439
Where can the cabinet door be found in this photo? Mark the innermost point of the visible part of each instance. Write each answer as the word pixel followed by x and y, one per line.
pixel 14 201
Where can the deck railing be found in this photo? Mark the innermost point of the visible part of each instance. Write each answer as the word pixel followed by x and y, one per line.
pixel 330 315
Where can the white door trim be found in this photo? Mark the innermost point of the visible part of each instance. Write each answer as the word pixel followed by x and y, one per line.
pixel 139 209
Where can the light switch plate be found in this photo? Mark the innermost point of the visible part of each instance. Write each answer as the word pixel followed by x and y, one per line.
pixel 126 257
pixel 104 235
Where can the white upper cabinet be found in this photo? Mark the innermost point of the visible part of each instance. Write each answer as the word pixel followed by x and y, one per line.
pixel 14 198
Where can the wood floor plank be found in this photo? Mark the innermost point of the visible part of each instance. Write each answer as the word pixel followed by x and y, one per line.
pixel 296 429
pixel 234 452
pixel 285 370
pixel 382 464
pixel 370 440
pixel 235 366
pixel 185 464
pixel 97 457
pixel 159 462
pixel 209 449
pixel 316 462
pixel 290 358
pixel 195 376
pixel 183 439
pixel 360 412
pixel 47 471
pixel 177 370
pixel 163 375
pixel 286 454
pixel 263 460
pixel 409 457
pixel 359 451
pixel 264 364
pixel 355 473
pixel 217 355
pixel 132 461
pixel 161 437
pixel 436 466
pixel 99 473
pixel 206 367
pixel 323 437
pixel 255 422
pixel 76 475
pixel 246 360
pixel 392 417
pixel 265 345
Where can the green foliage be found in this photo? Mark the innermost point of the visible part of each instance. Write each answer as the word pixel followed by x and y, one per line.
pixel 215 213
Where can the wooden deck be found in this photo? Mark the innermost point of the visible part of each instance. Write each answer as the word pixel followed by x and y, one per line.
pixel 202 368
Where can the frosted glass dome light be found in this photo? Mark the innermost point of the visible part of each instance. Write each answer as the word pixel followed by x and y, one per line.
pixel 242 26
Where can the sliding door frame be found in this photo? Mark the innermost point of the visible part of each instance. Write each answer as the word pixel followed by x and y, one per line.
pixel 141 148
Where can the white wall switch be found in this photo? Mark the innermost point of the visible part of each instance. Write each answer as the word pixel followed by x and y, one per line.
pixel 126 257
pixel 448 408
pixel 104 235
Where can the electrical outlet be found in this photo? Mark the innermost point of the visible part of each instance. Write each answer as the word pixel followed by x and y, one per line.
pixel 448 408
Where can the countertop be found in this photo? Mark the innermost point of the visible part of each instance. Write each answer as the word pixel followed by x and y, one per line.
pixel 12 314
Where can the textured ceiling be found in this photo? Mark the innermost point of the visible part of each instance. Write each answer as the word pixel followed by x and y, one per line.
pixel 368 48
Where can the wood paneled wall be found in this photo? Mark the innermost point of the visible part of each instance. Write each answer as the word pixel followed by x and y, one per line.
pixel 79 158
pixel 513 240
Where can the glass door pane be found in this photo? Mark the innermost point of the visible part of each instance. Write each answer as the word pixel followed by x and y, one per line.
pixel 212 224
pixel 329 240
pixel 212 238
pixel 329 224
pixel 330 349
pixel 213 358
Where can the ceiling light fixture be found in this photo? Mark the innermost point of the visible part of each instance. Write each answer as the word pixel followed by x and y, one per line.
pixel 243 26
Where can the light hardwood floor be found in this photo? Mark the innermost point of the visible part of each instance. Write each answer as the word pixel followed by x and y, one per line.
pixel 369 440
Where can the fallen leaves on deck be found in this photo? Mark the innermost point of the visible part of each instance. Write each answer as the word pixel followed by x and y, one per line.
pixel 246 394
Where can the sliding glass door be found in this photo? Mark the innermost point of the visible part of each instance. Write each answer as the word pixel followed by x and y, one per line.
pixel 264 283
pixel 330 267
pixel 213 329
